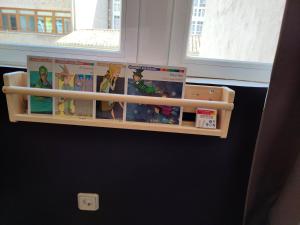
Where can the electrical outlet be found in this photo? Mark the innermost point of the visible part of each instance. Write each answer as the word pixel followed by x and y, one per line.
pixel 88 201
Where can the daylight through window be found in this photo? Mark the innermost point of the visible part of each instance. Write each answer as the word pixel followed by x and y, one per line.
pixel 235 30
pixel 72 23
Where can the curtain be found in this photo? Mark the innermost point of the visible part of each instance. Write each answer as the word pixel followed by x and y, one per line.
pixel 273 196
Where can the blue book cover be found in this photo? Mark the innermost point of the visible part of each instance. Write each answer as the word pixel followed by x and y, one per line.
pixel 155 81
pixel 40 75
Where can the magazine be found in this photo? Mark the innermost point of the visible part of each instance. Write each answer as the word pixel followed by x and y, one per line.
pixel 40 75
pixel 110 79
pixel 155 81
pixel 74 75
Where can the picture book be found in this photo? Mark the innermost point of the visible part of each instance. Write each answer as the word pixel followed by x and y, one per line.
pixel 206 118
pixel 40 75
pixel 155 81
pixel 110 79
pixel 74 75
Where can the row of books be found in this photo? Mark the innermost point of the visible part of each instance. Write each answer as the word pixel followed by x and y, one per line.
pixel 105 77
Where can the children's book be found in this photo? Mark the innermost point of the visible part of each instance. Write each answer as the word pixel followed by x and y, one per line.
pixel 74 75
pixel 110 79
pixel 40 75
pixel 155 81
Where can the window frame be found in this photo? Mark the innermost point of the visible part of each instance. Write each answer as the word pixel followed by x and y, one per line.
pixel 204 67
pixel 16 54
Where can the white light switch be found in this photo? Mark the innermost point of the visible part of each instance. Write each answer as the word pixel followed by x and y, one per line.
pixel 88 201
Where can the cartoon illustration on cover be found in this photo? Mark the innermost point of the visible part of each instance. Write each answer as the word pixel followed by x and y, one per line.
pixel 157 82
pixel 73 75
pixel 40 72
pixel 110 79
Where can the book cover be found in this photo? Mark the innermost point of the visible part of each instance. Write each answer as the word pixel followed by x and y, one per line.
pixel 155 81
pixel 110 79
pixel 40 75
pixel 74 75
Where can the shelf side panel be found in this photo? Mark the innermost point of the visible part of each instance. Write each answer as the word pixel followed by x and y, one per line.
pixel 15 103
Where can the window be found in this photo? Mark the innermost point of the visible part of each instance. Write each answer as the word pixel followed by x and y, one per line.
pixel 228 41
pixel 23 23
pixel 31 24
pixel 195 3
pixel 41 24
pixel 117 6
pixel 196 28
pixel 223 36
pixel 68 28
pixel 59 26
pixel 231 41
pixel 49 24
pixel 4 24
pixel 202 3
pixel 92 21
pixel 13 22
pixel 116 23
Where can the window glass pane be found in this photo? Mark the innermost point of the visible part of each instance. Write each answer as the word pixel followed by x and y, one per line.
pixel 116 22
pixel 58 24
pixel 4 22
pixel 239 31
pixel 67 25
pixel 195 3
pixel 41 24
pixel 31 24
pixel 13 22
pixel 85 24
pixel 202 3
pixel 23 23
pixel 49 24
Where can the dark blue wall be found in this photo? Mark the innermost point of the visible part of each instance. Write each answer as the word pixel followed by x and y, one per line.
pixel 143 178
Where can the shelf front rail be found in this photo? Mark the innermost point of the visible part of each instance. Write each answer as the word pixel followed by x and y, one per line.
pixel 117 97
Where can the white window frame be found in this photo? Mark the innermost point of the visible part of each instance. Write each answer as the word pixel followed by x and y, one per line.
pixel 203 67
pixel 16 54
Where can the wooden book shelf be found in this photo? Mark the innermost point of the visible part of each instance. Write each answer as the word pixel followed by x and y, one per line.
pixel 220 98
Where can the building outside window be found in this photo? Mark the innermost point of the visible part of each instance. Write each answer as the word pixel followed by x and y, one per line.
pixel 116 13
pixel 70 23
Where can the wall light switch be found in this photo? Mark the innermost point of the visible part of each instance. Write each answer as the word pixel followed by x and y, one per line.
pixel 88 201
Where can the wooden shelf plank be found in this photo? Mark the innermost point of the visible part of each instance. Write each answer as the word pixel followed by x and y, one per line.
pixel 185 128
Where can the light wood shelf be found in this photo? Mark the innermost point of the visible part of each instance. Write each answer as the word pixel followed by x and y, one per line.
pixel 220 98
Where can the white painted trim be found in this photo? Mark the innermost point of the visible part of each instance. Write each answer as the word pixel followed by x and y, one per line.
pixel 154 31
pixel 208 68
pixel 16 54
pixel 222 82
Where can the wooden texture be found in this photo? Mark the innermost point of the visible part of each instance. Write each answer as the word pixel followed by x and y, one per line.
pixel 116 97
pixel 224 117
pixel 206 93
pixel 185 128
pixel 220 98
pixel 15 103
